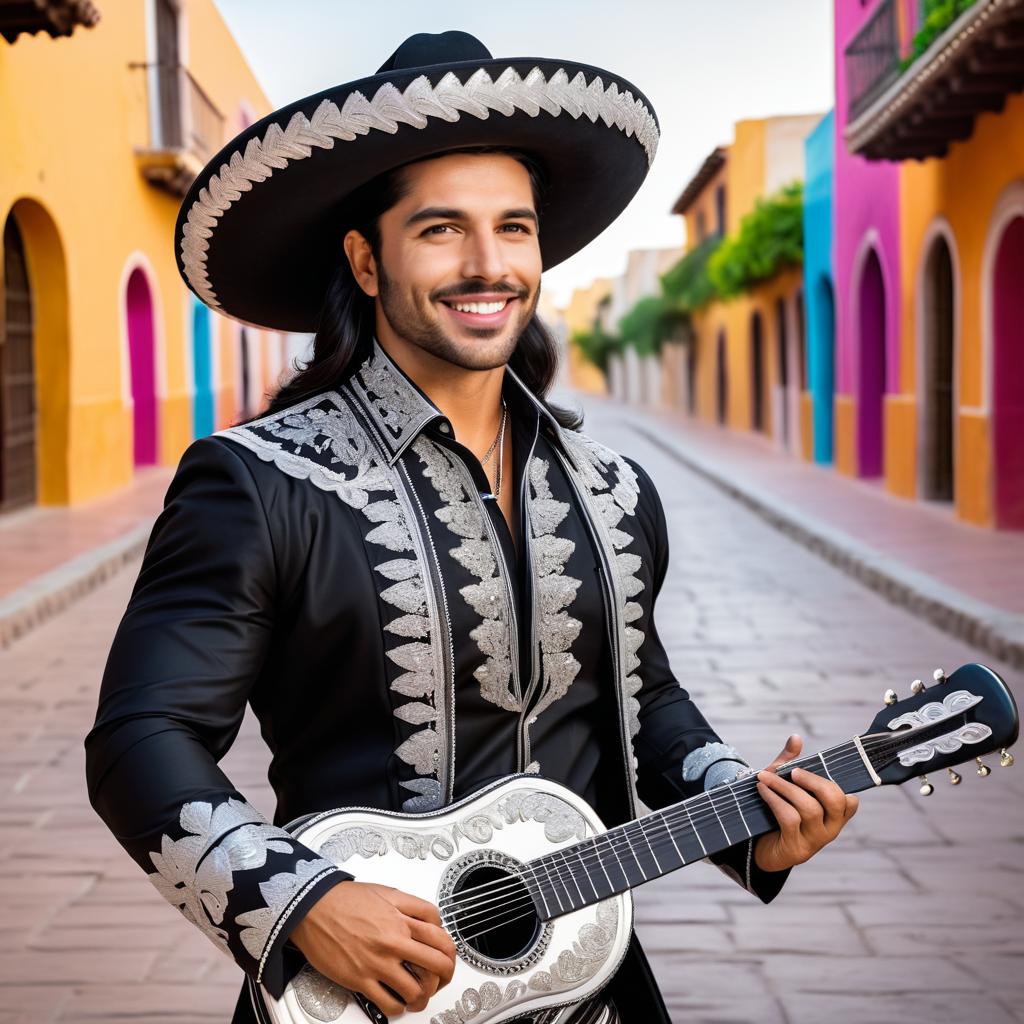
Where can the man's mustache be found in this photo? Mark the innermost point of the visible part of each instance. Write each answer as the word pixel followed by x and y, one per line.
pixel 478 288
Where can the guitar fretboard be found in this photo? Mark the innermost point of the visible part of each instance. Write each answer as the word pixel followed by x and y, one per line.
pixel 640 851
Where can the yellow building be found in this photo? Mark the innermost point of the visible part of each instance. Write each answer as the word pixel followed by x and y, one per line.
pixel 746 366
pixel 580 315
pixel 108 362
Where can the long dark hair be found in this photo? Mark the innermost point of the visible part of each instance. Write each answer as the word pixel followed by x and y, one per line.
pixel 346 322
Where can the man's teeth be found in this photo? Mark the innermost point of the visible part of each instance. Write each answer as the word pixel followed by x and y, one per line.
pixel 480 307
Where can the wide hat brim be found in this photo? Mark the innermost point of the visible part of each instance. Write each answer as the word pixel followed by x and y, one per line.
pixel 260 231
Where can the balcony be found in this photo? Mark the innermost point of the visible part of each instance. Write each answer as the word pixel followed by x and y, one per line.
pixel 55 17
pixel 898 112
pixel 187 128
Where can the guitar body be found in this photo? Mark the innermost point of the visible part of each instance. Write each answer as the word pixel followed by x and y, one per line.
pixel 502 972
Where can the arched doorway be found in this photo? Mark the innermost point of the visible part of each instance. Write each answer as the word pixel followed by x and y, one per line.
pixel 202 371
pixel 937 374
pixel 1008 376
pixel 17 378
pixel 782 337
pixel 142 364
pixel 871 378
pixel 721 380
pixel 822 369
pixel 756 372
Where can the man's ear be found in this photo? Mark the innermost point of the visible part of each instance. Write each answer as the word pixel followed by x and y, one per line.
pixel 360 259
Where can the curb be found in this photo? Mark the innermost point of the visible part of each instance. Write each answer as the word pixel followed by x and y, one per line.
pixel 33 604
pixel 992 630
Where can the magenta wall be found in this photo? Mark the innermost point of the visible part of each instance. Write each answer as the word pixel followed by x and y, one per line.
pixel 866 204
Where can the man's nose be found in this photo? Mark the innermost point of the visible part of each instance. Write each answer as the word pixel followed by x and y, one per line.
pixel 483 257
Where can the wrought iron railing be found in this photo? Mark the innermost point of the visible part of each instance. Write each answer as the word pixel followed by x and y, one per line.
pixel 188 118
pixel 872 59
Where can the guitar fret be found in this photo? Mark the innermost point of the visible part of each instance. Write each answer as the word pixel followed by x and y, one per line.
pixel 825 766
pixel 586 870
pixel 693 828
pixel 629 842
pixel 740 809
pixel 647 840
pixel 572 875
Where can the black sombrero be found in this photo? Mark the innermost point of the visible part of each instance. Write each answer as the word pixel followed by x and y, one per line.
pixel 258 234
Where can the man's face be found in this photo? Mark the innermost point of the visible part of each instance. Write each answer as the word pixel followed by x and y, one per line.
pixel 460 264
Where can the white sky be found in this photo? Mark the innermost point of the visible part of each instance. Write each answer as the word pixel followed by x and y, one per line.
pixel 703 64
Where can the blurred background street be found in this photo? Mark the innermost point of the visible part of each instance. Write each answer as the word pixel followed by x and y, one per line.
pixel 809 328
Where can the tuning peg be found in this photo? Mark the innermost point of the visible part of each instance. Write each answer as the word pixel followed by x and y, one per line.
pixel 917 686
pixel 939 676
pixel 955 778
pixel 1005 758
pixel 926 787
pixel 890 698
pixel 983 769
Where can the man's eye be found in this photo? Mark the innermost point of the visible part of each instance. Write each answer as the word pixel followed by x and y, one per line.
pixel 436 229
pixel 520 228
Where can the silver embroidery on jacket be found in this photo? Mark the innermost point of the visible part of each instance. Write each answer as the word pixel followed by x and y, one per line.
pixel 698 761
pixel 557 629
pixel 328 426
pixel 196 873
pixel 387 110
pixel 614 491
pixel 488 597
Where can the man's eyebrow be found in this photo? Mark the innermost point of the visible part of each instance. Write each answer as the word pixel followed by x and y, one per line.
pixel 450 213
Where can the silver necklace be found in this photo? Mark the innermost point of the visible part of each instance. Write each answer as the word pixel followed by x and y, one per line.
pixel 499 443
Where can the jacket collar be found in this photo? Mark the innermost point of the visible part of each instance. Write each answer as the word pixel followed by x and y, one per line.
pixel 400 411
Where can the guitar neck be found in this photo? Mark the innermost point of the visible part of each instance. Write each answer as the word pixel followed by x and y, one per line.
pixel 639 851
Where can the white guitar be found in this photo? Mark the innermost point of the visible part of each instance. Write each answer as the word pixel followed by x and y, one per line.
pixel 536 893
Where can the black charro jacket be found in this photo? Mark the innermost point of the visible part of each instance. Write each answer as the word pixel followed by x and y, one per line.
pixel 336 566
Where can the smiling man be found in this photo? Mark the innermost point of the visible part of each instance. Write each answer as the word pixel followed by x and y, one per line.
pixel 420 574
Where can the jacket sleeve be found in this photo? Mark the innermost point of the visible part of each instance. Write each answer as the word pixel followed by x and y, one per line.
pixel 188 650
pixel 678 753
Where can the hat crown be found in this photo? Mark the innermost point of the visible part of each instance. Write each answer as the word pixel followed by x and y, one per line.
pixel 426 48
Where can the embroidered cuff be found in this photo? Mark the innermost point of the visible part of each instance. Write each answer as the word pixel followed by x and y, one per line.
pixel 236 877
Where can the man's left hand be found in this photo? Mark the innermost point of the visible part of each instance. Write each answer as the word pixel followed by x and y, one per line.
pixel 811 812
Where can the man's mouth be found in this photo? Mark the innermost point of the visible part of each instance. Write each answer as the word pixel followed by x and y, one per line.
pixel 490 312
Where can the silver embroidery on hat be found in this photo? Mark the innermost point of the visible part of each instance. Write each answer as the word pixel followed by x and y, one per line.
pixel 389 108
pixel 327 426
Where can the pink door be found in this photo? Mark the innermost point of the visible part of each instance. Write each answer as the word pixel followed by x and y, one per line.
pixel 142 360
pixel 1008 377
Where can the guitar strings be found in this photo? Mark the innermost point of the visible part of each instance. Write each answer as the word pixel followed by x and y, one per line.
pixel 658 831
pixel 682 809
pixel 619 839
pixel 691 808
pixel 664 843
pixel 502 917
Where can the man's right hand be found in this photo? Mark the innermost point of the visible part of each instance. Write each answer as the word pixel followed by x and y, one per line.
pixel 358 934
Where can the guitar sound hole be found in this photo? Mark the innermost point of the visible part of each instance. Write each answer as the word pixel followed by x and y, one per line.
pixel 495 913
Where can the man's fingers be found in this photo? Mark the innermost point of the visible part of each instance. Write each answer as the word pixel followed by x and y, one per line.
pixel 852 803
pixel 384 1000
pixel 432 935
pixel 806 806
pixel 413 906
pixel 404 983
pixel 790 751
pixel 828 794
pixel 785 813
pixel 429 958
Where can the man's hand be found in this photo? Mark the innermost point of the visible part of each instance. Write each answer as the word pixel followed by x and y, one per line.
pixel 360 935
pixel 811 812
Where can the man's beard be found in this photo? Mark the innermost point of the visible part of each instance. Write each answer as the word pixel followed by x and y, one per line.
pixel 421 328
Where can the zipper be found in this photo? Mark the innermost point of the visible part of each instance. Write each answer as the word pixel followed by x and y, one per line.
pixel 612 615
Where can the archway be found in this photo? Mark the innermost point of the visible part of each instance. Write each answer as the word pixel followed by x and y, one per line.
pixel 871 378
pixel 756 372
pixel 721 379
pixel 203 416
pixel 17 377
pixel 142 364
pixel 782 339
pixel 937 373
pixel 1008 376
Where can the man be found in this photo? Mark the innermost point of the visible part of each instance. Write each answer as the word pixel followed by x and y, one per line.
pixel 418 572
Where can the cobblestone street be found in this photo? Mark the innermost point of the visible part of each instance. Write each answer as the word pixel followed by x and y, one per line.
pixel 911 916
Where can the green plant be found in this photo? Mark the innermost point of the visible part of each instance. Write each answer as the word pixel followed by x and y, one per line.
pixel 596 346
pixel 770 239
pixel 687 282
pixel 646 325
pixel 937 16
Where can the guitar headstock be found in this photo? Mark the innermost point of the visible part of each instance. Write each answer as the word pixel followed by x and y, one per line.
pixel 959 718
